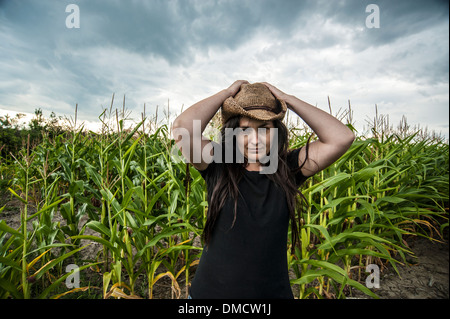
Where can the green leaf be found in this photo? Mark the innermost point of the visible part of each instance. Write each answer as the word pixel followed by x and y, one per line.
pixel 6 228
pixel 55 284
pixel 99 227
pixel 130 135
pixel 365 174
pixel 336 275
pixel 156 197
pixel 389 199
pixel 45 208
pixel 10 287
pixel 38 274
pixel 324 231
pixel 331 181
pixel 350 235
pixel 98 240
pixel 17 196
pixel 93 174
pixel 11 263
pixel 164 234
pixel 76 187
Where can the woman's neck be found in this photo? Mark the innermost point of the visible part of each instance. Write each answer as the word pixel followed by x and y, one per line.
pixel 253 167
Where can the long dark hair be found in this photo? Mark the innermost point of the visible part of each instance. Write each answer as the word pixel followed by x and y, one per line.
pixel 227 182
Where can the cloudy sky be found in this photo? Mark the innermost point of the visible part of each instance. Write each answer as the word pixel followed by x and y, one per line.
pixel 155 51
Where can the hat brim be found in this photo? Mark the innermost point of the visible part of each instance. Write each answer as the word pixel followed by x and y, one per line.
pixel 231 108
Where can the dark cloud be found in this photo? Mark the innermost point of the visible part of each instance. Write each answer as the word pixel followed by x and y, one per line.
pixel 39 54
pixel 175 29
pixel 398 19
pixel 169 29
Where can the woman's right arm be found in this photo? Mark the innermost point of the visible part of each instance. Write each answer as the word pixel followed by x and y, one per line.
pixel 189 125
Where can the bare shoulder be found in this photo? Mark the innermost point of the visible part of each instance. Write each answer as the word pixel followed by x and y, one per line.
pixel 310 158
pixel 317 156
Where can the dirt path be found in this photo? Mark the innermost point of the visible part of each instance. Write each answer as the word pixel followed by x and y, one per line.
pixel 424 277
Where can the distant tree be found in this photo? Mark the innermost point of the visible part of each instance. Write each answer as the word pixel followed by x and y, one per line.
pixel 13 135
pixel 37 123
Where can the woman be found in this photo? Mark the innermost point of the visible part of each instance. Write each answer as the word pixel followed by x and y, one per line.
pixel 250 205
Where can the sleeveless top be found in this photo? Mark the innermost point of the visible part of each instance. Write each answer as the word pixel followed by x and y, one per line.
pixel 248 260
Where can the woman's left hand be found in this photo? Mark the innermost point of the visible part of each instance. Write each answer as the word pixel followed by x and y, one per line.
pixel 276 92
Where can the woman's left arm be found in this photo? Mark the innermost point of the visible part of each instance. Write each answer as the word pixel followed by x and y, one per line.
pixel 334 138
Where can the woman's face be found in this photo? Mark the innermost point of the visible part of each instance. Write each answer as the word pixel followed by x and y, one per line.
pixel 254 138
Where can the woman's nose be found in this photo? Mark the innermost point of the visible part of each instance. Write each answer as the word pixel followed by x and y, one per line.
pixel 255 138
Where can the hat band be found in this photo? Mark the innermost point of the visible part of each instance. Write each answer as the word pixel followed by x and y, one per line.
pixel 249 108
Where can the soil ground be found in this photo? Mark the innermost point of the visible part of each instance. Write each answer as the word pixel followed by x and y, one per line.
pixel 424 277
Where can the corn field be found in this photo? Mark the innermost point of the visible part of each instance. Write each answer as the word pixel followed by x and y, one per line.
pixel 119 195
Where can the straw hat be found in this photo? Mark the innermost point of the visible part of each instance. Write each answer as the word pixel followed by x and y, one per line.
pixel 254 101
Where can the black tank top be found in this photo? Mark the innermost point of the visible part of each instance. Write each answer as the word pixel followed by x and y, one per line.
pixel 248 260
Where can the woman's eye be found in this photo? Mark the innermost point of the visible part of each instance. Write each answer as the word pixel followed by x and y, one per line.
pixel 249 130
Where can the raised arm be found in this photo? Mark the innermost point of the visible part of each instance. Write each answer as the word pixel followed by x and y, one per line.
pixel 334 137
pixel 188 136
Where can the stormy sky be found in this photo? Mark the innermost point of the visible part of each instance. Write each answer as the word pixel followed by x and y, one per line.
pixel 178 52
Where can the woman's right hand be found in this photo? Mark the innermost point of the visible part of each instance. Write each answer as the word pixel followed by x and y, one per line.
pixel 236 86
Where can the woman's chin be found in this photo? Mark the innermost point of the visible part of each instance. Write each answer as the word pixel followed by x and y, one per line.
pixel 255 158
